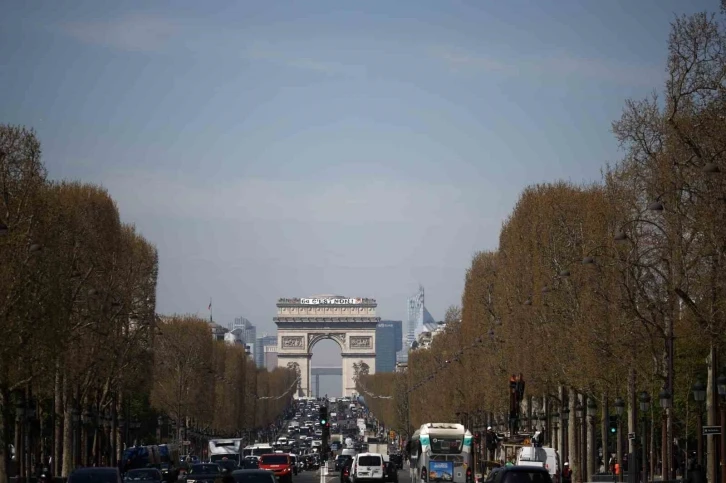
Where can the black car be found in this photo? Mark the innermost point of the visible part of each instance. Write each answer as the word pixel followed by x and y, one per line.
pixel 205 473
pixel 397 459
pixel 520 474
pixel 95 475
pixel 390 472
pixel 145 475
pixel 341 460
pixel 345 471
pixel 253 476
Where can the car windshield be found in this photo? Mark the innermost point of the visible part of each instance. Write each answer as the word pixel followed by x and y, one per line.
pixel 369 461
pixel 204 470
pixel 274 459
pixel 253 478
pixel 145 474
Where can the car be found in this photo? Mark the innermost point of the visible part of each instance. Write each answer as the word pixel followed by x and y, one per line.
pixel 145 475
pixel 520 474
pixel 95 475
pixel 367 467
pixel 391 472
pixel 253 476
pixel 278 463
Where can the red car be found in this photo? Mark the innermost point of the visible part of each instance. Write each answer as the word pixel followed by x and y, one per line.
pixel 280 464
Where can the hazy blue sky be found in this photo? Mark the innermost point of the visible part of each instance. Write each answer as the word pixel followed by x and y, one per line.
pixel 289 149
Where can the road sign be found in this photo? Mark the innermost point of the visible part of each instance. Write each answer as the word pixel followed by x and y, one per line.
pixel 711 430
pixel 631 435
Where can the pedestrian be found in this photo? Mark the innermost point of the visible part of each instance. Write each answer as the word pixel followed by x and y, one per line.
pixel 566 473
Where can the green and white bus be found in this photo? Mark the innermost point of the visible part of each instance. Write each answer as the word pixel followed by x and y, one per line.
pixel 441 452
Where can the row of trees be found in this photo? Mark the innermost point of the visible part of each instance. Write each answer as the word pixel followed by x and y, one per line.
pixel 211 385
pixel 602 290
pixel 81 350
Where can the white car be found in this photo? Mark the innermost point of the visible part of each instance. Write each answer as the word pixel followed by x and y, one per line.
pixel 367 467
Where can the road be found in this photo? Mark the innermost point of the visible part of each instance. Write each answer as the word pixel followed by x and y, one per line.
pixel 314 477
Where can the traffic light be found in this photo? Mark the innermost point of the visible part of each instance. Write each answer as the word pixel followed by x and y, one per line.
pixel 613 424
pixel 323 416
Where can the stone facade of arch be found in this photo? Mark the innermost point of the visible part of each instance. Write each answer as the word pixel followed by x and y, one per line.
pixel 356 337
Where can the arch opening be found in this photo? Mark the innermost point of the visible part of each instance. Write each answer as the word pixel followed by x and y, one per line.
pixel 326 372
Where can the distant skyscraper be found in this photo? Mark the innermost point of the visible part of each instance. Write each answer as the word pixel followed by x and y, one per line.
pixel 262 342
pixel 418 316
pixel 247 331
pixel 389 340
pixel 271 357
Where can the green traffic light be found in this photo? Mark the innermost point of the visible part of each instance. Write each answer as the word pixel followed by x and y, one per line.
pixel 322 421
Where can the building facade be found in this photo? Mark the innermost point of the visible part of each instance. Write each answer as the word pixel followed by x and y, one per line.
pixel 418 316
pixel 349 322
pixel 271 357
pixel 389 341
pixel 262 342
pixel 247 331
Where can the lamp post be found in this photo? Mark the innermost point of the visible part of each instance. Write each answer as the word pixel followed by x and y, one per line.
pixel 565 417
pixel 721 385
pixel 699 395
pixel 579 454
pixel 665 403
pixel 619 409
pixel 644 400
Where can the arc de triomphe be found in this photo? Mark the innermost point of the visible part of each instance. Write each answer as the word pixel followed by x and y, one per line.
pixel 350 322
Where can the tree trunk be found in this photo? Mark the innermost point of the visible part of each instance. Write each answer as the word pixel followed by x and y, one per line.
pixel 561 436
pixel 57 421
pixel 604 431
pixel 711 405
pixel 591 460
pixel 67 431
pixel 4 432
pixel 632 417
pixel 572 436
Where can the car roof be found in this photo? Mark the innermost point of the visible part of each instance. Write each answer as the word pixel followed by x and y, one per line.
pixel 523 468
pixel 252 472
pixel 97 469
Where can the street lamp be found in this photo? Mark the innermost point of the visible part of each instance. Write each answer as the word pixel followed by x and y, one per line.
pixel 721 386
pixel 644 406
pixel 619 410
pixel 699 395
pixel 665 403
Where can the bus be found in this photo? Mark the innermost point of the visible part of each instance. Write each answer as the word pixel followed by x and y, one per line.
pixel 257 449
pixel 441 452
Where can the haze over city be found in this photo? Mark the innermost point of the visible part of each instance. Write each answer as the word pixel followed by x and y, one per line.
pixel 287 149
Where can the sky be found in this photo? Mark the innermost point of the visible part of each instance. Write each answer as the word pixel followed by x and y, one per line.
pixel 287 149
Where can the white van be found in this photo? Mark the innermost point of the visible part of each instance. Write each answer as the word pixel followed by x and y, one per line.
pixel 553 464
pixel 367 467
pixel 531 456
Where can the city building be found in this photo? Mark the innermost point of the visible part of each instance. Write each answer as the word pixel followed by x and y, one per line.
pixel 262 342
pixel 270 357
pixel 389 341
pixel 232 338
pixel 418 316
pixel 424 339
pixel 245 328
pixel 217 331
